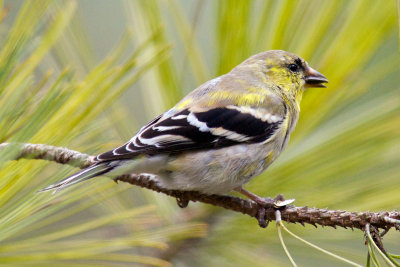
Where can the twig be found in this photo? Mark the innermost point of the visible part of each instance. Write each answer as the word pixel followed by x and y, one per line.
pixel 291 214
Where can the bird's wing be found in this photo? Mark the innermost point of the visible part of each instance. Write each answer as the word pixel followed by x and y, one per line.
pixel 190 130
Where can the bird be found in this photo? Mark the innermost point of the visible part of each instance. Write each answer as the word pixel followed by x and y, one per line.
pixel 219 136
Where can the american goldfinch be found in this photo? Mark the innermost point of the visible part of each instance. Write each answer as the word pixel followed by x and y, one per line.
pixel 220 135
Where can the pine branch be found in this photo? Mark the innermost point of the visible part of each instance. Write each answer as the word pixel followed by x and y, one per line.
pixel 303 215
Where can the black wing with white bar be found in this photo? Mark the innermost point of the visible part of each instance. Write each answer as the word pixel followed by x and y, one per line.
pixel 217 127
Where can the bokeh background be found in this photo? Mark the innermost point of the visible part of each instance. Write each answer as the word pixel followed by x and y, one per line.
pixel 88 74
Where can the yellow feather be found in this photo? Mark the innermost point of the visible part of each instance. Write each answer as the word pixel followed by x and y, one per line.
pixel 238 98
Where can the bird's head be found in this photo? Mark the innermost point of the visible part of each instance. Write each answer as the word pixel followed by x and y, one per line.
pixel 286 68
pixel 286 72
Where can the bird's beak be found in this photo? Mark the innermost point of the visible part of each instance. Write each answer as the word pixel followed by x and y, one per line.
pixel 313 78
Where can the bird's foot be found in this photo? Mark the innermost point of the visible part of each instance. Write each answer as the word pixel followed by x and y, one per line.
pixel 182 202
pixel 269 204
pixel 276 203
pixel 266 204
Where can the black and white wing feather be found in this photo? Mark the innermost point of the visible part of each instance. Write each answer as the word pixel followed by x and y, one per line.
pixel 189 130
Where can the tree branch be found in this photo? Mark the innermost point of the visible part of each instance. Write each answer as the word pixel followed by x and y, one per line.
pixel 384 220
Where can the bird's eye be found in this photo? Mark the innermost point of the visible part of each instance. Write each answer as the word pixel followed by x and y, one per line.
pixel 293 67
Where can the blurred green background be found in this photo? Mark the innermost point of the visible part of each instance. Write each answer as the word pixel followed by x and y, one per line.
pixel 88 74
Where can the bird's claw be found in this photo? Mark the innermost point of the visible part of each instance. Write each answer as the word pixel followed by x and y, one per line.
pixel 182 202
pixel 262 222
pixel 278 203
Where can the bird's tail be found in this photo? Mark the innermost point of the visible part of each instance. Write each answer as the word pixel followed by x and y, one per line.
pixel 88 173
